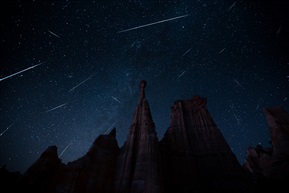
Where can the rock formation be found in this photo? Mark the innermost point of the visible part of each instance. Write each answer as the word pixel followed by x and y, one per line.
pixel 94 172
pixel 138 166
pixel 192 157
pixel 269 166
pixel 195 155
pixel 40 176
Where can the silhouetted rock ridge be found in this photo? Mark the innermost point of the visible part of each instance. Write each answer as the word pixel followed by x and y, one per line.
pixel 192 157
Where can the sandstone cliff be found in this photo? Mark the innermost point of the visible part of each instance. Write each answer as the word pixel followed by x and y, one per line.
pixel 195 155
pixel 192 156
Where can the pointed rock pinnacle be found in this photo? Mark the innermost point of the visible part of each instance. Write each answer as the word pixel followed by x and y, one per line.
pixel 142 86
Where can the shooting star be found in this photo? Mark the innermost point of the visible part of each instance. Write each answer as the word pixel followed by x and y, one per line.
pixel 258 104
pixel 56 107
pixel 109 128
pixel 6 129
pixel 186 52
pixel 65 149
pixel 133 44
pixel 21 71
pixel 182 74
pixel 232 6
pixel 154 23
pixel 81 83
pixel 116 99
pixel 239 84
pixel 222 50
pixel 130 89
pixel 53 33
pixel 237 118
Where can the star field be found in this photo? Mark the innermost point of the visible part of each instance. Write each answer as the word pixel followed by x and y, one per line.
pixel 92 55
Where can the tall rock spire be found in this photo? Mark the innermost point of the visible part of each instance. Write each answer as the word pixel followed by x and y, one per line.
pixel 139 162
pixel 194 143
pixel 142 86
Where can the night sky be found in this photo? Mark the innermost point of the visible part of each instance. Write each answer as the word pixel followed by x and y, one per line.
pixel 70 70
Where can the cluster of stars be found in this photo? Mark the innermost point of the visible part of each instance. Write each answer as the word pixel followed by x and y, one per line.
pixel 70 70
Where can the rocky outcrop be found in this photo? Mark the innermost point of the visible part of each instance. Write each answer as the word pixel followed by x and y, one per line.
pixel 195 155
pixel 138 166
pixel 40 176
pixel 278 121
pixel 269 166
pixel 94 172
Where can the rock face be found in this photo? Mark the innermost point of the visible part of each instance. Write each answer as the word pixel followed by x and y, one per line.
pixel 94 172
pixel 40 176
pixel 195 155
pixel 278 121
pixel 192 157
pixel 270 166
pixel 138 166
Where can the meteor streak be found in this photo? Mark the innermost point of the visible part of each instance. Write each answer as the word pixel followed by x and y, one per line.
pixel 239 84
pixel 154 23
pixel 258 104
pixel 236 118
pixel 53 34
pixel 232 6
pixel 109 128
pixel 65 149
pixel 81 83
pixel 222 50
pixel 6 129
pixel 21 71
pixel 56 107
pixel 182 74
pixel 116 99
pixel 186 52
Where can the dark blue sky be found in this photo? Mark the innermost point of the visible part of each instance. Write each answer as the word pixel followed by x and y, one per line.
pixel 234 53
